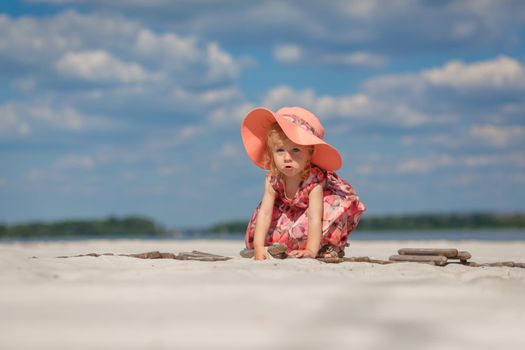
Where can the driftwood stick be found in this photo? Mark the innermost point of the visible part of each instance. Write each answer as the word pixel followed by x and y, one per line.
pixel 357 259
pixel 196 252
pixel 502 263
pixel 335 260
pixel 435 259
pixel 382 262
pixel 201 258
pixel 462 256
pixel 449 253
pixel 331 260
pixel 80 255
pixel 147 255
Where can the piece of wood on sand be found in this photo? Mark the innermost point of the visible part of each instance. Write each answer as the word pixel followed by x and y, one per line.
pixel 82 255
pixel 335 260
pixel 200 256
pixel 449 252
pixel 462 256
pixel 147 255
pixel 331 260
pixel 366 259
pixel 357 259
pixel 429 259
pixel 151 255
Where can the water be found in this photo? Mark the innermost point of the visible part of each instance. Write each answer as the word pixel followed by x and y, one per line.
pixel 435 235
pixel 450 235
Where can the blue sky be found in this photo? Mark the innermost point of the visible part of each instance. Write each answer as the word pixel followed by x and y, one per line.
pixel 134 107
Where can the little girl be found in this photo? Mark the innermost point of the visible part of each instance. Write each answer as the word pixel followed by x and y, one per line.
pixel 306 208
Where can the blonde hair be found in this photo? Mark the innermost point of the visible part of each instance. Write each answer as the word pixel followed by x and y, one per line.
pixel 276 136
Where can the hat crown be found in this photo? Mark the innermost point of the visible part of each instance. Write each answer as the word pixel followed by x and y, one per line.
pixel 303 118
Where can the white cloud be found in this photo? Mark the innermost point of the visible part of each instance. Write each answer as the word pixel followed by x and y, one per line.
pixel 229 151
pixel 463 30
pixel 182 54
pixel 25 84
pixel 485 136
pixel 40 175
pixel 484 160
pixel 65 117
pixel 423 165
pixel 358 58
pixel 27 118
pixel 293 53
pixel 359 9
pixel 39 40
pixel 170 47
pixel 99 65
pixel 221 64
pixel 288 53
pixel 361 106
pixel 11 121
pixel 349 25
pixel 430 163
pixel 168 170
pixel 225 156
pixel 284 95
pixel 431 97
pixel 498 136
pixel 229 114
pixel 75 161
pixel 327 106
pixel 408 101
pixel 111 48
pixel 501 73
pixel 218 96
pixel 396 84
pixel 178 137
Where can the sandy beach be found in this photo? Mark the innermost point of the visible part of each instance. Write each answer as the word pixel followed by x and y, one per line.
pixel 116 302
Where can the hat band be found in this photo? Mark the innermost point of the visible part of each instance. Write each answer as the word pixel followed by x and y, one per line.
pixel 300 122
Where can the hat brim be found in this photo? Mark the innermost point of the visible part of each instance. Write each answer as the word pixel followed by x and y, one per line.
pixel 256 125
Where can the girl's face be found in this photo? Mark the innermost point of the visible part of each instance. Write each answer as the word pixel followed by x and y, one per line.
pixel 290 158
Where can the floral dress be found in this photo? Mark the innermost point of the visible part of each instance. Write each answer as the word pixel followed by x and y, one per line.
pixel 289 224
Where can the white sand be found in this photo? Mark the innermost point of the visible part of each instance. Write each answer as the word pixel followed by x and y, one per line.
pixel 114 302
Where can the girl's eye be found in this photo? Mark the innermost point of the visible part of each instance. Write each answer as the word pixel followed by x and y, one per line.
pixel 296 150
pixel 279 150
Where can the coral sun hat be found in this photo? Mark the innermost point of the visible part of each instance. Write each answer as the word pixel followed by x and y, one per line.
pixel 300 126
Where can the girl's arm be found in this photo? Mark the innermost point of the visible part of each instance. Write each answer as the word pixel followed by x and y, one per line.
pixel 264 218
pixel 315 221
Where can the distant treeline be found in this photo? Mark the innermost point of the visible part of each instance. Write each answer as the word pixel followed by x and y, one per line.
pixel 443 221
pixel 112 226
pixel 416 222
pixel 140 226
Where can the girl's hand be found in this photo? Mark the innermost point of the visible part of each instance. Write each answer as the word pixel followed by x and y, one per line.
pixel 260 254
pixel 302 254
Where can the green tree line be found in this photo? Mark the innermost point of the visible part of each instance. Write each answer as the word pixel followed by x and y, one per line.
pixel 112 226
pixel 140 226
pixel 416 222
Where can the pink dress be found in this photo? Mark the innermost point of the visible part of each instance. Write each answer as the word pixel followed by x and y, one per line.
pixel 289 225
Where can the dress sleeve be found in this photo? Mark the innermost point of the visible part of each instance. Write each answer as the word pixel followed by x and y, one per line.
pixel 317 176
